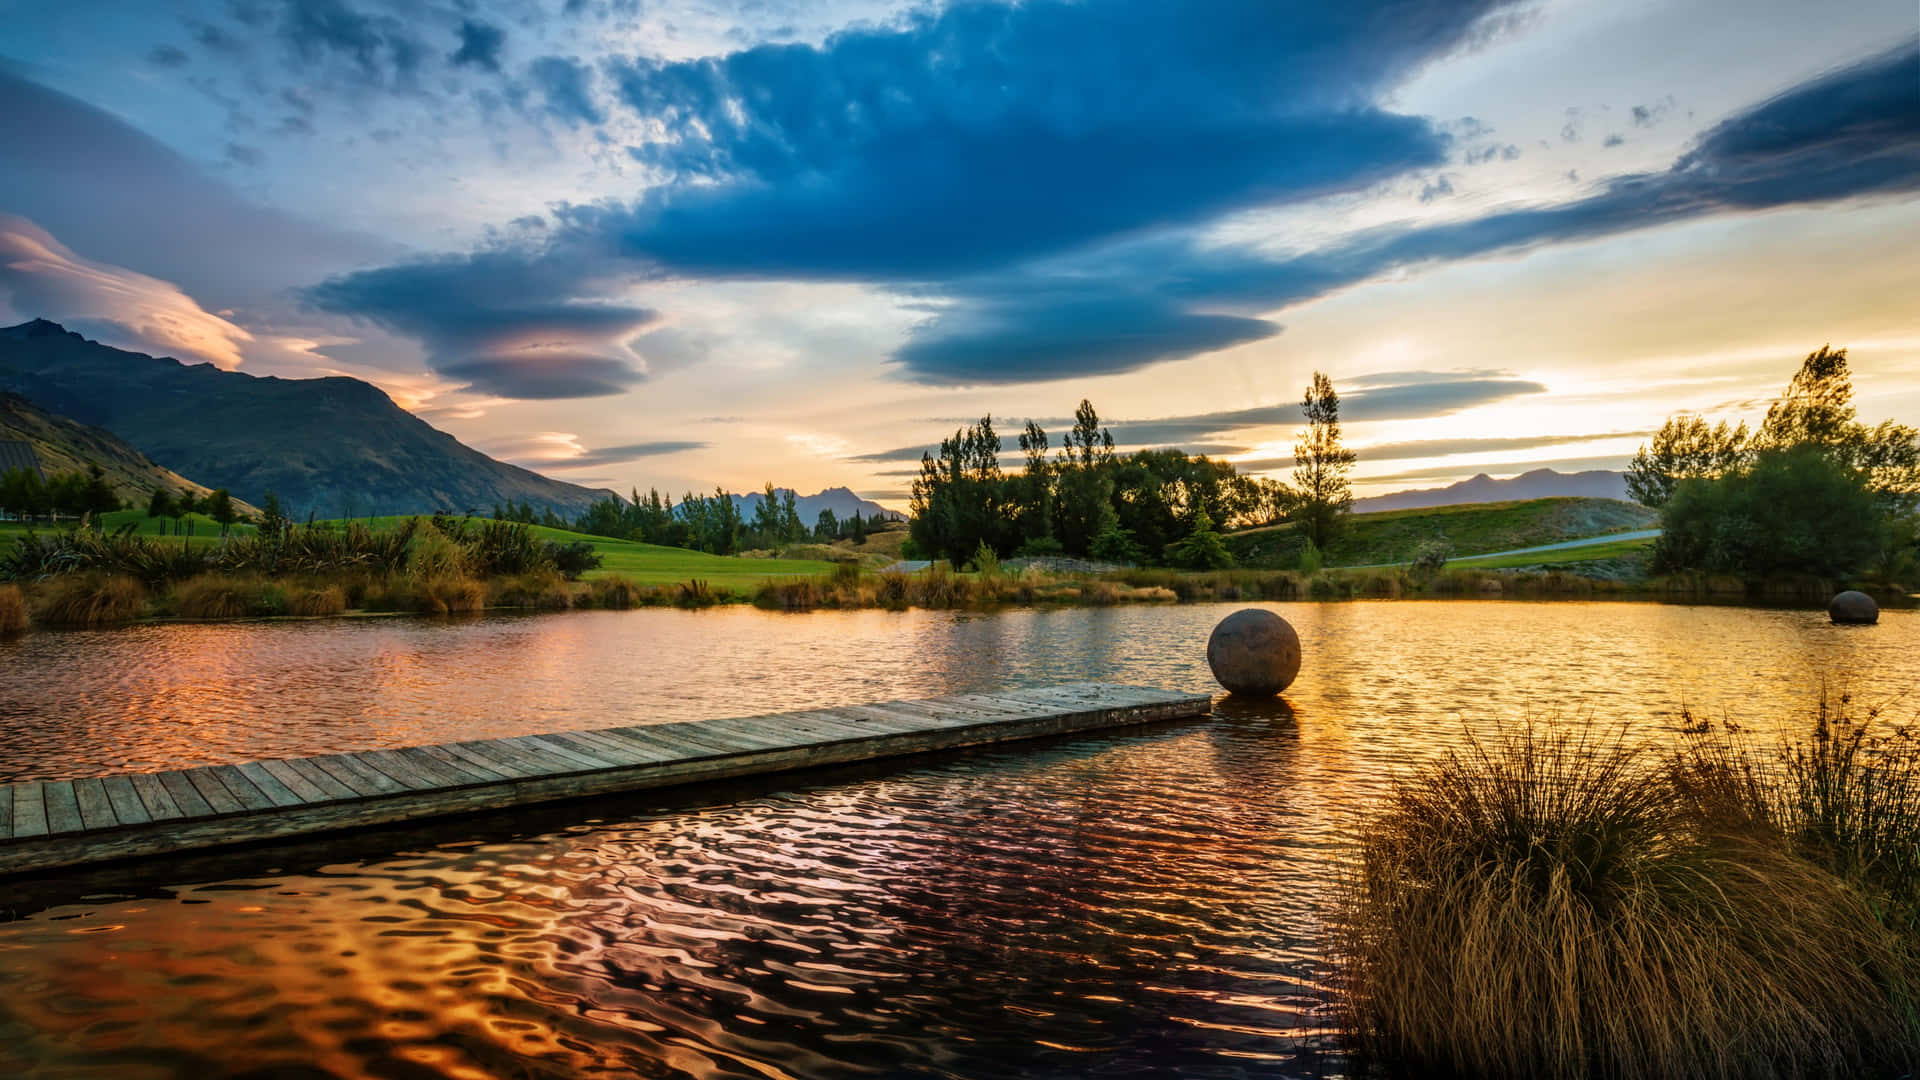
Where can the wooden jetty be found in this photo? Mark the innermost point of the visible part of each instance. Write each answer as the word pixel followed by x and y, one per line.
pixel 55 824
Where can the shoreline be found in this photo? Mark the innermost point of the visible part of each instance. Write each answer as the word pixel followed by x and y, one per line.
pixel 83 601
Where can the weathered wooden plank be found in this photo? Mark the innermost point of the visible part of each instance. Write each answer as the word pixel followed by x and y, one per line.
pixel 56 824
pixel 243 789
pixel 322 780
pixel 96 811
pixel 63 809
pixel 423 774
pixel 586 760
pixel 185 795
pixel 155 797
pixel 355 780
pixel 127 807
pixel 274 788
pixel 29 810
pixel 213 791
pixel 620 751
pixel 476 773
pixel 523 760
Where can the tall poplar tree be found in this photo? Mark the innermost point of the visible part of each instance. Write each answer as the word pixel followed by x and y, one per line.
pixel 1321 464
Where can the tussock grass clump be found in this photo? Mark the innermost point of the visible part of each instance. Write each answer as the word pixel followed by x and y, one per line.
pixel 1547 906
pixel 91 600
pixel 1846 798
pixel 446 595
pixel 694 594
pixel 217 596
pixel 316 600
pixel 787 594
pixel 13 610
pixel 614 593
pixel 539 590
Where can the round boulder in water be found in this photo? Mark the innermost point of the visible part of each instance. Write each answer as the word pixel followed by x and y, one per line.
pixel 1855 607
pixel 1254 653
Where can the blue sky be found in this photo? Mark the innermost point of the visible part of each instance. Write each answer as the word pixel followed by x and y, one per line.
pixel 722 242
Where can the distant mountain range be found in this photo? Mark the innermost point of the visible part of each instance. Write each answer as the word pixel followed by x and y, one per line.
pixel 61 444
pixel 841 501
pixel 334 446
pixel 1538 484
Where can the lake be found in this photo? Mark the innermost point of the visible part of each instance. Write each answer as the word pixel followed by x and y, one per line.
pixel 1138 903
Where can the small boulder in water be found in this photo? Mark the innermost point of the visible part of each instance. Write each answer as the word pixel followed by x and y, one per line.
pixel 1854 607
pixel 1254 653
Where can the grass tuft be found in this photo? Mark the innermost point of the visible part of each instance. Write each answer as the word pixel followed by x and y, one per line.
pixel 13 610
pixel 91 600
pixel 1547 905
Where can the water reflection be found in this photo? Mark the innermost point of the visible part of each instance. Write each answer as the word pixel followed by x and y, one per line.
pixel 1140 903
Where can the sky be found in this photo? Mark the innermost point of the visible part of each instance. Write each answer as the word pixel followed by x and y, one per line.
pixel 700 243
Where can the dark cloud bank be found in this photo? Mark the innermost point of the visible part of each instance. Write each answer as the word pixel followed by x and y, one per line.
pixel 1034 171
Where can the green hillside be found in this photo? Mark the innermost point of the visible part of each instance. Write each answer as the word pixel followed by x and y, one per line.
pixel 1394 536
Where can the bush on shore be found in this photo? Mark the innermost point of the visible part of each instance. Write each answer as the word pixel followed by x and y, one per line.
pixel 1552 905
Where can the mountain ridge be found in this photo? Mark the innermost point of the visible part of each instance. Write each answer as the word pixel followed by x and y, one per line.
pixel 332 446
pixel 1538 483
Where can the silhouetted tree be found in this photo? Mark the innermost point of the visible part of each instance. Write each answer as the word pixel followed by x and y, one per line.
pixel 1321 465
pixel 220 509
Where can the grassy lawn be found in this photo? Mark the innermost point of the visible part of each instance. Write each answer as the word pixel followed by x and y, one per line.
pixel 1395 536
pixel 1618 549
pixel 650 564
pixel 204 527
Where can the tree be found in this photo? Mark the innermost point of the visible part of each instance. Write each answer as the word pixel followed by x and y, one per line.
pixel 273 520
pixel 826 527
pixel 766 518
pixel 1088 444
pixel 96 493
pixel 24 493
pixel 1685 448
pixel 160 504
pixel 220 508
pixel 1794 510
pixel 1321 463
pixel 1202 549
pixel 959 498
pixel 791 527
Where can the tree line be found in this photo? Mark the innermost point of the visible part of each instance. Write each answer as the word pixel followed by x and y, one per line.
pixel 714 524
pixel 1811 491
pixel 27 496
pixel 1148 506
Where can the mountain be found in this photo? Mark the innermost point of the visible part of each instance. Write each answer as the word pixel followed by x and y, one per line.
pixel 334 446
pixel 62 445
pixel 1538 484
pixel 843 502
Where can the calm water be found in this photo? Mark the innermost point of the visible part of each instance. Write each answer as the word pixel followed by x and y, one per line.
pixel 1134 904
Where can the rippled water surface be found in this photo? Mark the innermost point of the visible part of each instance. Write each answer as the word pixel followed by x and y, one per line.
pixel 1140 903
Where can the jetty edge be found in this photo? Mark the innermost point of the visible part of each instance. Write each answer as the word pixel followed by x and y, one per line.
pixel 61 824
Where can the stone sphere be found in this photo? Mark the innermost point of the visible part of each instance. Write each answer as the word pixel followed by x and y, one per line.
pixel 1853 607
pixel 1254 653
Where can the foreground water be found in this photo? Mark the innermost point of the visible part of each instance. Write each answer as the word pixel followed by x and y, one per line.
pixel 1134 904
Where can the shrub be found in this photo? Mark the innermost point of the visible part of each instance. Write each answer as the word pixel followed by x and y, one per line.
pixel 894 589
pixel 91 600
pixel 1432 557
pixel 694 594
pixel 434 555
pixel 214 596
pixel 573 558
pixel 986 561
pixel 1547 907
pixel 1310 559
pixel 787 594
pixel 13 610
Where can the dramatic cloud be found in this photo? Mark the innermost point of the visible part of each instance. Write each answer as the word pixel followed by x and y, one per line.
pixel 1381 396
pixel 1850 134
pixel 987 133
pixel 41 277
pixel 122 197
pixel 506 324
pixel 564 82
pixel 563 451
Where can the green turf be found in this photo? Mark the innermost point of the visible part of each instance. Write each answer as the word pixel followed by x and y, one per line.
pixel 1618 549
pixel 204 527
pixel 651 564
pixel 1396 536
